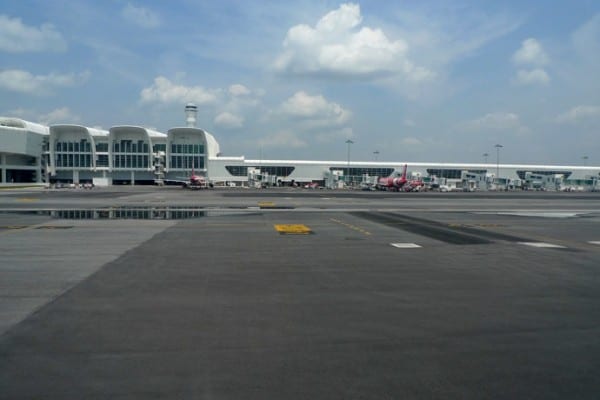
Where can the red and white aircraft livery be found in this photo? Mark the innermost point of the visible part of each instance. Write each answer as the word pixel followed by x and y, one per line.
pixel 195 181
pixel 401 183
pixel 192 181
pixel 391 183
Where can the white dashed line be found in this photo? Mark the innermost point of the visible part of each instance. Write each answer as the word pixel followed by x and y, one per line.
pixel 542 245
pixel 406 245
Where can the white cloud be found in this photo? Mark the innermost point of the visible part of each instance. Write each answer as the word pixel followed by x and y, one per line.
pixel 228 120
pixel 335 46
pixel 141 16
pixel 586 39
pixel 530 53
pixel 15 37
pixel 166 92
pixel 60 115
pixel 314 108
pixel 410 141
pixel 535 76
pixel 579 113
pixel 502 122
pixel 285 139
pixel 21 81
pixel 409 123
pixel 238 90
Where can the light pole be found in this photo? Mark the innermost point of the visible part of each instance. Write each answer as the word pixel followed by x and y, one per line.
pixel 498 147
pixel 348 142
pixel 376 152
pixel 584 158
pixel 485 157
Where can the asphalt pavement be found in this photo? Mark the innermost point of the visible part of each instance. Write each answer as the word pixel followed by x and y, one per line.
pixel 299 294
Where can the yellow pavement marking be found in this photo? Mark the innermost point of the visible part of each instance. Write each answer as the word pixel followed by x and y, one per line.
pixel 353 227
pixel 293 229
pixel 26 199
pixel 265 204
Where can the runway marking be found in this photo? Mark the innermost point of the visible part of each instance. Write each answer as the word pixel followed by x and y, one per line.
pixel 541 214
pixel 406 245
pixel 596 242
pixel 292 229
pixel 542 245
pixel 27 200
pixel 266 204
pixel 353 227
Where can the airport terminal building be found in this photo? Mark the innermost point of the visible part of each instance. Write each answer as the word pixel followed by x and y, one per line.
pixel 34 153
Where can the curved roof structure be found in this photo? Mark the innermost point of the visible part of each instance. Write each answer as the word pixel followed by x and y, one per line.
pixel 212 146
pixel 90 132
pixel 124 129
pixel 18 123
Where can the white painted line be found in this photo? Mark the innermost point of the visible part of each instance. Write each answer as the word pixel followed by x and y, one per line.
pixel 406 245
pixel 543 245
pixel 541 214
pixel 594 242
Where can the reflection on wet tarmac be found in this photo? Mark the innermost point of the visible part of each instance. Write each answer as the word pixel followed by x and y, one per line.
pixel 155 213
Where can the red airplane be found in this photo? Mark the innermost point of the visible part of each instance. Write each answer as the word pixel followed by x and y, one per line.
pixel 195 181
pixel 391 183
pixel 414 185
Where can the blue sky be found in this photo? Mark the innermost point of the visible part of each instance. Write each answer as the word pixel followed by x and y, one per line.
pixel 417 81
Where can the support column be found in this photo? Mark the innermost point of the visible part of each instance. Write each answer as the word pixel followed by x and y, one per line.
pixel 132 178
pixel 3 167
pixel 75 176
pixel 38 172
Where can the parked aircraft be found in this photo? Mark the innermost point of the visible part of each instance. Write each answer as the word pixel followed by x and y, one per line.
pixel 391 183
pixel 190 182
pixel 413 185
pixel 195 181
pixel 401 183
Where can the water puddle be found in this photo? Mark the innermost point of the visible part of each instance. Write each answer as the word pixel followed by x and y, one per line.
pixel 120 213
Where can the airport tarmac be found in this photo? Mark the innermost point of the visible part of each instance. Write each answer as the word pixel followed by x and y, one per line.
pixel 297 294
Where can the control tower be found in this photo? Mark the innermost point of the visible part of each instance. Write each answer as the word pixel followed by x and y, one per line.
pixel 190 115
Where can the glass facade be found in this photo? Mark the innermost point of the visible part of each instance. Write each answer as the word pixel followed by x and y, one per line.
pixel 187 156
pixel 451 173
pixel 102 160
pixel 129 154
pixel 73 154
pixel 273 170
pixel 102 147
pixel 359 172
pixel 566 174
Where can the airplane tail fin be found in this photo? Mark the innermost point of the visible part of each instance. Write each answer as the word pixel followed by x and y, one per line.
pixel 404 171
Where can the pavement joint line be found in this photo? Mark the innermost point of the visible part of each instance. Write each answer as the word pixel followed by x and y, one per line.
pixel 543 245
pixel 353 227
pixel 406 245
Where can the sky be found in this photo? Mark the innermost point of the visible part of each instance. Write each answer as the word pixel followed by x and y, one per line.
pixel 431 81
